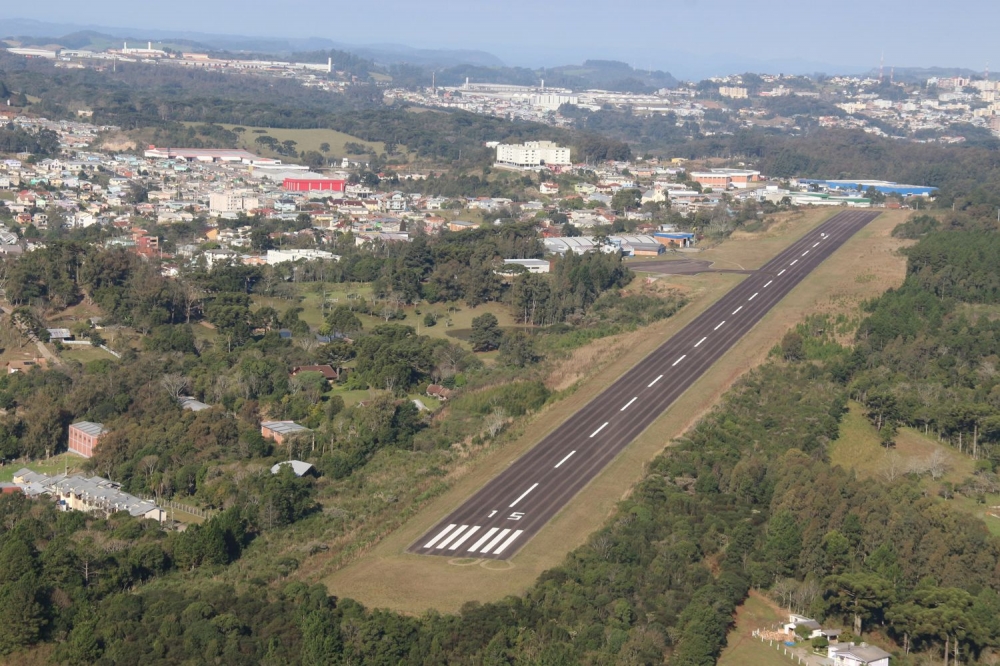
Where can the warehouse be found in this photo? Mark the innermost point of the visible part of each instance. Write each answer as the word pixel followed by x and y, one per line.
pixel 883 186
pixel 314 184
pixel 208 155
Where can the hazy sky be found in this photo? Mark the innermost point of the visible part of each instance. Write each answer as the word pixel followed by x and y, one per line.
pixel 677 35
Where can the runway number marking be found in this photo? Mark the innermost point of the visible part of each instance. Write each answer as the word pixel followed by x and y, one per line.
pixel 720 325
pixel 517 515
pixel 654 381
pixel 568 456
pixel 782 271
pixel 627 404
pixel 523 495
pixel 754 296
pixel 599 429
pixel 430 544
pixel 737 309
pixel 701 341
pixel 768 284
pixel 492 513
pixel 683 356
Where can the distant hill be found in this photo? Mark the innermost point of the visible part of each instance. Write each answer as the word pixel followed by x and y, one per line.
pixel 608 74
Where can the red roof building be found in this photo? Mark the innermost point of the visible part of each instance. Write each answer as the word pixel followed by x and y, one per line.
pixel 314 184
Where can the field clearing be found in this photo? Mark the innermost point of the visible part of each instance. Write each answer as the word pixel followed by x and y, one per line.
pixel 55 465
pixel 389 577
pixel 306 139
pixel 85 354
pixel 742 649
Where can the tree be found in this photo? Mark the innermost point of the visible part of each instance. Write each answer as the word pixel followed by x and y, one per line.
pixel 324 147
pixel 343 321
pixel 864 596
pixel 517 349
pixel 792 346
pixel 486 333
pixel 626 199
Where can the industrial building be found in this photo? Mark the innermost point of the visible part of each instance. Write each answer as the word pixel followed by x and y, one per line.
pixel 630 246
pixel 532 155
pixel 530 265
pixel 209 155
pixel 883 186
pixel 84 437
pixel 314 184
pixel 724 179
pixel 279 431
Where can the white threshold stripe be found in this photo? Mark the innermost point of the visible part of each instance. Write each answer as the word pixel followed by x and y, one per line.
pixel 701 341
pixel 737 309
pixel 794 262
pixel 483 539
pixel 628 404
pixel 768 284
pixel 509 541
pixel 719 326
pixel 599 429
pixel 654 381
pixel 464 538
pixel 754 296
pixel 683 356
pixel 488 547
pixel 452 536
pixel 523 495
pixel 568 456
pixel 430 544
pixel 782 271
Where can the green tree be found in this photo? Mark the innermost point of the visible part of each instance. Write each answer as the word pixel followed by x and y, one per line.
pixel 863 596
pixel 486 333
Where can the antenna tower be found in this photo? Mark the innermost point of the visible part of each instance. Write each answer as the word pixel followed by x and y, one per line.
pixel 881 66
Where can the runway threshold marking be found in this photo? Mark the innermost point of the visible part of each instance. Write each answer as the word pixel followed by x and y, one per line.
pixel 599 429
pixel 627 404
pixel 568 456
pixel 465 537
pixel 654 381
pixel 451 536
pixel 720 325
pixel 509 541
pixel 484 539
pixel 737 309
pixel 754 296
pixel 488 547
pixel 523 495
pixel 701 341
pixel 683 356
pixel 430 544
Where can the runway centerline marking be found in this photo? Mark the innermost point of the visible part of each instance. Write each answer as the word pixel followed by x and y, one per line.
pixel 782 271
pixel 627 404
pixel 430 544
pixel 754 296
pixel 805 253
pixel 720 325
pixel 768 284
pixel 794 262
pixel 568 456
pixel 484 539
pixel 683 356
pixel 817 243
pixel 523 495
pixel 737 309
pixel 599 429
pixel 701 341
pixel 654 381
pixel 464 538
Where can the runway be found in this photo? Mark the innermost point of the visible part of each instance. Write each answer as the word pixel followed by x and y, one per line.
pixel 504 514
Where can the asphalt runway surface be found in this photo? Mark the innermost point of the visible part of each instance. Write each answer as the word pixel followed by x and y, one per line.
pixel 504 514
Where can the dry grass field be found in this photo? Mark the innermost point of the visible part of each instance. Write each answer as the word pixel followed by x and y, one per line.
pixel 389 577
pixel 306 139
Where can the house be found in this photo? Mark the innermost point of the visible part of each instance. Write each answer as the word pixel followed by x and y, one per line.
pixel 439 392
pixel 530 265
pixel 298 467
pixel 26 365
pixel 59 334
pixel 328 372
pixel 815 630
pixel 548 188
pixel 279 431
pixel 850 654
pixel 91 494
pixel 84 437
pixel 460 225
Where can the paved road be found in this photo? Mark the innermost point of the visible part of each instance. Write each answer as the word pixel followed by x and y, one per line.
pixel 503 516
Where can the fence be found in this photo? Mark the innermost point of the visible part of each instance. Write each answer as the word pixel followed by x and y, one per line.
pixel 204 514
pixel 781 648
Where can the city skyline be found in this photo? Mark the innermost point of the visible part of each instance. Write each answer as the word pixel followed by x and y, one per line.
pixel 685 37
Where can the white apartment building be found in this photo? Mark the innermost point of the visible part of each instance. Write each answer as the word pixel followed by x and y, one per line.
pixel 735 92
pixel 231 202
pixel 532 155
